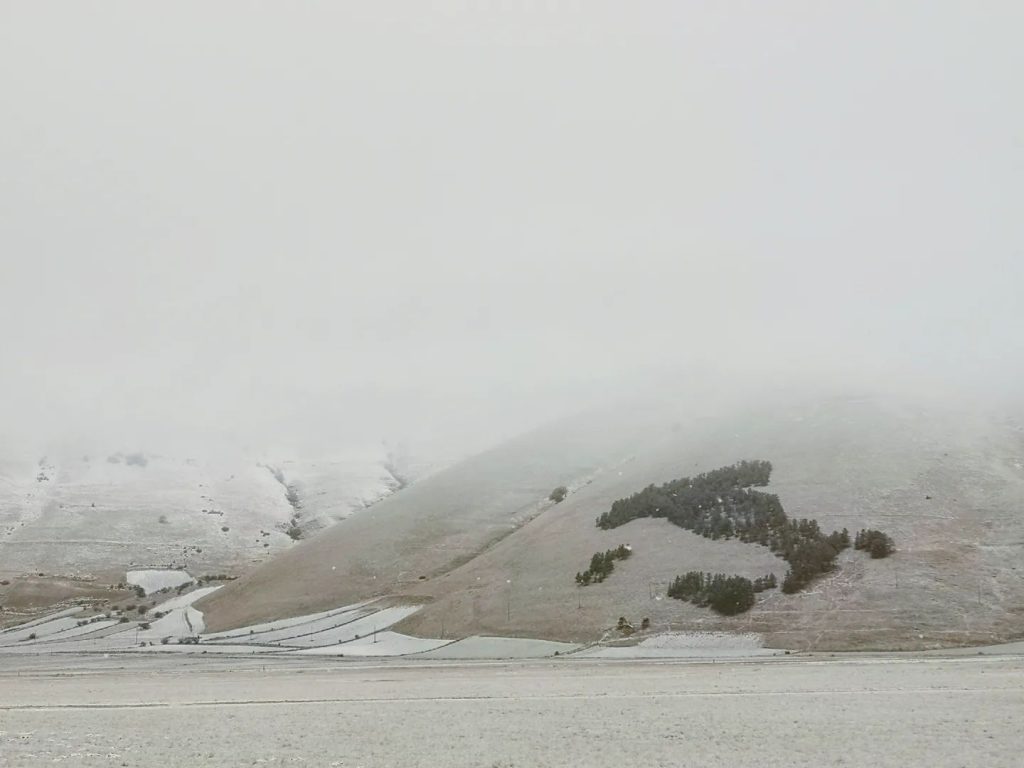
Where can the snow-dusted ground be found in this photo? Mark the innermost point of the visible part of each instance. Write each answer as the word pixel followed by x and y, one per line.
pixel 381 644
pixel 359 630
pixel 347 625
pixel 693 645
pixel 183 600
pixel 178 623
pixel 154 580
pixel 479 647
pixel 274 626
pixel 78 631
pixel 332 489
pixel 150 710
pixel 207 648
pixel 44 629
pixel 327 630
pixel 42 620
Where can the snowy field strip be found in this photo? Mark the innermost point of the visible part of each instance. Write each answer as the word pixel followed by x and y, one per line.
pixel 112 642
pixel 180 622
pixel 479 647
pixel 181 601
pixel 299 632
pixel 721 640
pixel 154 580
pixel 387 644
pixel 41 620
pixel 640 652
pixel 281 624
pixel 353 630
pixel 25 633
pixel 685 645
pixel 205 648
pixel 76 631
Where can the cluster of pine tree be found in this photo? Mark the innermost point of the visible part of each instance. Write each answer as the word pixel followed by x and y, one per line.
pixel 727 595
pixel 602 564
pixel 722 504
pixel 717 504
pixel 875 543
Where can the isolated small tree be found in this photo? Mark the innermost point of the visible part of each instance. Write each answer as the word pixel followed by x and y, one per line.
pixel 881 546
pixel 875 543
pixel 558 495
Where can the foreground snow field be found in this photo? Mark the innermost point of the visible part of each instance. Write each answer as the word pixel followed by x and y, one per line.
pixel 151 710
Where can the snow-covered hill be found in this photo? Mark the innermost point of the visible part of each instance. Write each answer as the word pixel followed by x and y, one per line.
pixel 90 519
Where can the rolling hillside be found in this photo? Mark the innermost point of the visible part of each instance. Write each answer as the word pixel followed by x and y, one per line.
pixel 490 555
pixel 70 526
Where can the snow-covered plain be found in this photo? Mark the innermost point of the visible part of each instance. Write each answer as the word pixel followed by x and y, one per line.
pixel 685 645
pixel 479 647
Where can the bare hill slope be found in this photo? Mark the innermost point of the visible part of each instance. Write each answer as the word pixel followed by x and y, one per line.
pixel 429 529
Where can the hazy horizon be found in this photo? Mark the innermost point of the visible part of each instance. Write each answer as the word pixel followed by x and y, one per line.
pixel 323 225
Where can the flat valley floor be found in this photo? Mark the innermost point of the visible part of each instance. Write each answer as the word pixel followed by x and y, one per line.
pixel 185 710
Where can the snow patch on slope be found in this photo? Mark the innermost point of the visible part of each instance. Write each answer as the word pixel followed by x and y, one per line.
pixel 154 580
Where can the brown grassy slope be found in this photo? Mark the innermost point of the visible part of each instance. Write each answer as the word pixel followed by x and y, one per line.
pixel 431 527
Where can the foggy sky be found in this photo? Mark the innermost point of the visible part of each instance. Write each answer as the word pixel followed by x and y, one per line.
pixel 305 224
